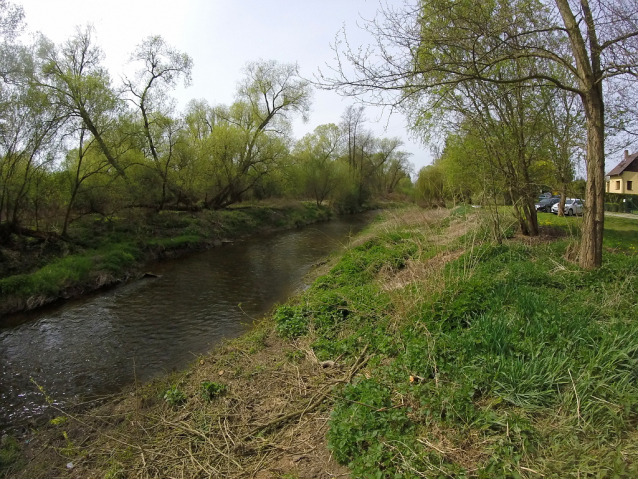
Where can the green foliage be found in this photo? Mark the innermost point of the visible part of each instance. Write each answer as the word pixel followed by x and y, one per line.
pixel 430 186
pixel 292 321
pixel 210 390
pixel 517 341
pixel 58 420
pixel 295 356
pixel 174 397
pixel 116 471
pixel 71 270
pixel 9 454
pixel 361 426
pixel 178 242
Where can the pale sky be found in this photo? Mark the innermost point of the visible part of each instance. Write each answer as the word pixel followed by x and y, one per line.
pixel 222 36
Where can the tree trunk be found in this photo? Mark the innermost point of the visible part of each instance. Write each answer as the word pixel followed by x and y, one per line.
pixel 67 216
pixel 591 248
pixel 563 198
pixel 531 216
pixel 588 64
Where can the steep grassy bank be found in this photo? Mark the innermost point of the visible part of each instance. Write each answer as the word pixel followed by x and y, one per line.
pixel 424 351
pixel 102 251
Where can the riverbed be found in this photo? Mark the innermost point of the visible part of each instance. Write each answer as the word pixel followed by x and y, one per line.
pixel 97 345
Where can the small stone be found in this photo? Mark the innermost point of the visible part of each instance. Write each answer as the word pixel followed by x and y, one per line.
pixel 70 465
pixel 221 373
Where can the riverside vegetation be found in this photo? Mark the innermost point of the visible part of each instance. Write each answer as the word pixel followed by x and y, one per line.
pixel 426 350
pixel 99 252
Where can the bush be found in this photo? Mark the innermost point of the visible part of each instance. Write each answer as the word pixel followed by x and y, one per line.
pixel 174 397
pixel 211 390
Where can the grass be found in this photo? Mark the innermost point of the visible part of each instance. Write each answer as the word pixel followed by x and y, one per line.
pixel 425 350
pixel 63 273
pixel 522 362
pixel 621 234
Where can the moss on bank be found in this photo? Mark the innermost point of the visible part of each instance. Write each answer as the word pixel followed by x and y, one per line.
pixel 103 251
pixel 424 351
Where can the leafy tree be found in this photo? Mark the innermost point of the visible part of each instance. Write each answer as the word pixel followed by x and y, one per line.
pixel 443 43
pixel 252 136
pixel 81 87
pixel 565 127
pixel 316 156
pixel 30 125
pixel 162 68
pixel 80 166
pixel 396 170
pixel 430 186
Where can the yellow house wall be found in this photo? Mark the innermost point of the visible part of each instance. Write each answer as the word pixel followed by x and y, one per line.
pixel 624 178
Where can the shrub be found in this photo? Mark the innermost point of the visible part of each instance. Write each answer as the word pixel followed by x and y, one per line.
pixel 211 390
pixel 174 397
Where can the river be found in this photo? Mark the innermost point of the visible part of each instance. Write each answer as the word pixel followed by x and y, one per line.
pixel 96 345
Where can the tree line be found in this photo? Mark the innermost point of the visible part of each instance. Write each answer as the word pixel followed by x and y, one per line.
pixel 506 143
pixel 498 71
pixel 73 143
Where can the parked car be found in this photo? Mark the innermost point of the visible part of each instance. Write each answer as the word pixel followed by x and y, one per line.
pixel 545 205
pixel 573 206
pixel 547 194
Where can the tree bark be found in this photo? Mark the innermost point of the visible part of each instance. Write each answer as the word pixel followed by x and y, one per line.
pixel 591 248
pixel 589 78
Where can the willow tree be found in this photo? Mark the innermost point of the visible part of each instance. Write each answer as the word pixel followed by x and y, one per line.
pixel 162 68
pixel 249 138
pixel 442 43
pixel 315 157
pixel 80 86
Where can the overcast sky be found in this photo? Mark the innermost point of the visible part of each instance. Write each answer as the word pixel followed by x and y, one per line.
pixel 222 36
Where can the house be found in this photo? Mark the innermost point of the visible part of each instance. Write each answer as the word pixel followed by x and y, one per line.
pixel 623 179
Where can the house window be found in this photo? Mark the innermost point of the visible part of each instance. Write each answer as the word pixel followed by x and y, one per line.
pixel 618 184
pixel 629 186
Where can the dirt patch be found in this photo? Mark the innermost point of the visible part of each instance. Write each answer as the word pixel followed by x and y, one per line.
pixel 271 421
pixel 547 234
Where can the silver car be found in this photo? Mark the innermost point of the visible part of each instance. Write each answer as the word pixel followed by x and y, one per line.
pixel 573 206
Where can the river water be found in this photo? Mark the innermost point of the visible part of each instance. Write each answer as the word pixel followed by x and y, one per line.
pixel 97 345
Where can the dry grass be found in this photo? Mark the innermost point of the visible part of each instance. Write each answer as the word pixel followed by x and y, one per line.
pixel 421 221
pixel 424 276
pixel 271 421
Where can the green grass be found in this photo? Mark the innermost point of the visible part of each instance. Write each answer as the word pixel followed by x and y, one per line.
pixel 520 362
pixel 179 242
pixel 10 458
pixel 72 270
pixel 621 234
